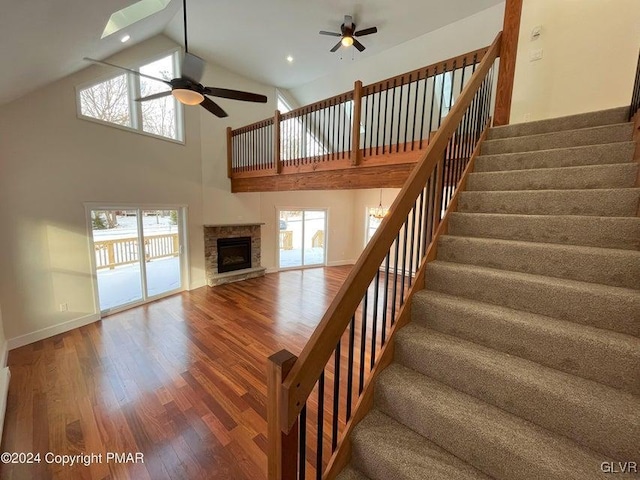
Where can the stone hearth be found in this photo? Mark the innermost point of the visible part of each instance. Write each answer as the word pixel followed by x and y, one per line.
pixel 211 235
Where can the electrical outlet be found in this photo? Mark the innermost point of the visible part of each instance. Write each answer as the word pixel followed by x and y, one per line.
pixel 64 307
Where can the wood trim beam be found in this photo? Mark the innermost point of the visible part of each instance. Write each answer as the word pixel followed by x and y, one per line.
pixel 508 53
pixel 382 176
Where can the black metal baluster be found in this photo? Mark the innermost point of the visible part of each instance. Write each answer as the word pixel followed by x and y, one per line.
pixel 363 341
pixel 336 398
pixel 420 253
pixel 424 100
pixel 433 100
pixel 384 129
pixel 400 105
pixel 444 74
pixel 395 279
pixel 404 255
pixel 302 439
pixel 374 325
pixel 386 298
pixel 415 111
pixel 367 129
pixel 378 117
pixel 393 108
pixel 320 439
pixel 411 246
pixel 352 333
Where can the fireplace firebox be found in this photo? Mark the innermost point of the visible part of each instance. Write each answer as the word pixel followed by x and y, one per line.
pixel 234 254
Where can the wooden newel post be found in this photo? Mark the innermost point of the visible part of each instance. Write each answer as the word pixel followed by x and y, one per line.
pixel 282 446
pixel 357 116
pixel 508 52
pixel 229 152
pixel 277 163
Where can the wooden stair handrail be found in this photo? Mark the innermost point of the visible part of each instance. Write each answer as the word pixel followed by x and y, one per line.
pixel 300 381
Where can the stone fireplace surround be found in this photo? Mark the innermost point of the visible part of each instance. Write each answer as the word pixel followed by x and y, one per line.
pixel 211 235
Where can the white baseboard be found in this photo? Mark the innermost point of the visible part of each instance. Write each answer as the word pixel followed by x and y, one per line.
pixel 4 353
pixel 340 263
pixel 198 284
pixel 26 339
pixel 5 375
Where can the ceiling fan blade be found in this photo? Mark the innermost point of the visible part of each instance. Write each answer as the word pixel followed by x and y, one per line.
pixel 335 49
pixel 192 67
pixel 213 107
pixel 331 34
pixel 135 72
pixel 235 94
pixel 366 31
pixel 154 96
pixel 348 21
pixel 358 45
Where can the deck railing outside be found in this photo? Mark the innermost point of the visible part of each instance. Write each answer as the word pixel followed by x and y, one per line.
pixel 124 251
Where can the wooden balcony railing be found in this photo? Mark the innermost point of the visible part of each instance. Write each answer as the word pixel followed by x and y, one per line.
pixel 316 399
pixel 124 251
pixel 379 124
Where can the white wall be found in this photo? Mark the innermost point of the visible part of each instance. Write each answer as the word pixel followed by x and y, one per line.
pixel 463 36
pixel 590 52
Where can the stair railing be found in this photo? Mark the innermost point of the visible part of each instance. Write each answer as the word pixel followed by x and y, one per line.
pixel 635 98
pixel 314 400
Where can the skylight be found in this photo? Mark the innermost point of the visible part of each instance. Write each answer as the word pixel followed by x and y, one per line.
pixel 132 14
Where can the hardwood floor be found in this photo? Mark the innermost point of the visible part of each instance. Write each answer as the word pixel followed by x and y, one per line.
pixel 181 380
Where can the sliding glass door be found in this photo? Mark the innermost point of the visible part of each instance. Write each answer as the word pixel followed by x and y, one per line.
pixel 138 255
pixel 302 238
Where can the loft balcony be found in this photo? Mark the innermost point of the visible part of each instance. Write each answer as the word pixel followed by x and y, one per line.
pixel 369 137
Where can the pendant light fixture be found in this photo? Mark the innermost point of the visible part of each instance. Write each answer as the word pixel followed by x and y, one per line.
pixel 380 212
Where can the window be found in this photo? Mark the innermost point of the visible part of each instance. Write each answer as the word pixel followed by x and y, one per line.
pixel 298 138
pixel 113 100
pixel 444 90
pixel 372 223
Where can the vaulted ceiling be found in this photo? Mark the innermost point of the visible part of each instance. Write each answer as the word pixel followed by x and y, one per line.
pixel 43 40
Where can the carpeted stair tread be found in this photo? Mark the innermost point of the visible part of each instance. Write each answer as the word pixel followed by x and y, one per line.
pixel 604 356
pixel 618 175
pixel 618 202
pixel 384 449
pixel 599 417
pixel 606 266
pixel 350 473
pixel 494 441
pixel 572 122
pixel 621 132
pixel 607 232
pixel 601 306
pixel 605 154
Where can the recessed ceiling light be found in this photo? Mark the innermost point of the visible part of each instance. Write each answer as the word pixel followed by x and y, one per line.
pixel 126 38
pixel 290 59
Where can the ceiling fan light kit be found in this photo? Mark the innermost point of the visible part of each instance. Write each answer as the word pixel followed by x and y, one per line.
pixel 348 29
pixel 187 89
pixel 187 97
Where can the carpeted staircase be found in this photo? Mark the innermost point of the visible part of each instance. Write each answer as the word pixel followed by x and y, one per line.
pixel 523 357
